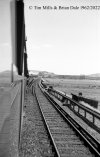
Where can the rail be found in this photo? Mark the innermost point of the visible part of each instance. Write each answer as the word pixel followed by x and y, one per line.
pixel 88 138
pixel 91 117
pixel 54 148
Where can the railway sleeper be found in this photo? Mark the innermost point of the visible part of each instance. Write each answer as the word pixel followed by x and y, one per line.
pixel 88 139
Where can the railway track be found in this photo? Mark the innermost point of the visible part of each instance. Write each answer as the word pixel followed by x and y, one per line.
pixel 35 141
pixel 65 140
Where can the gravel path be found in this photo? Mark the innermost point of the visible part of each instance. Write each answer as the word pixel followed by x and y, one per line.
pixel 34 138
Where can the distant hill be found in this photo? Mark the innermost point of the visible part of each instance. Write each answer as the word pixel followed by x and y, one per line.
pixel 53 75
pixel 46 74
pixel 34 72
pixel 5 76
pixel 5 73
pixel 94 75
pixel 41 73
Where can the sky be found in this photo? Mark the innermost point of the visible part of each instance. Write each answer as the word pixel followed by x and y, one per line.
pixel 5 35
pixel 63 41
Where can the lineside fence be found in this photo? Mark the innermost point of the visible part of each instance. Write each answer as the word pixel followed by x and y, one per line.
pixel 91 117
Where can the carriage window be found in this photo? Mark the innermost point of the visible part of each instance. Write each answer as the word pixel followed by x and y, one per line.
pixel 6 49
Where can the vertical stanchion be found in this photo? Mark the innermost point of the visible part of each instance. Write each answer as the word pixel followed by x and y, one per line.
pixel 12 77
pixel 21 110
pixel 20 113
